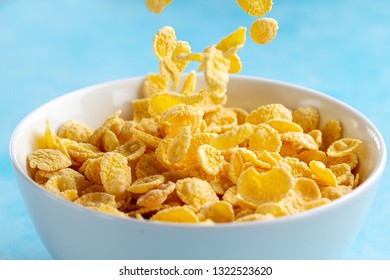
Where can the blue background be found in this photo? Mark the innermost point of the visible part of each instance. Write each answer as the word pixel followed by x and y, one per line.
pixel 48 48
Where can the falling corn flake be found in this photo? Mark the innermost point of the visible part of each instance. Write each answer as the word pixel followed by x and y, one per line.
pixel 157 6
pixel 256 8
pixel 263 30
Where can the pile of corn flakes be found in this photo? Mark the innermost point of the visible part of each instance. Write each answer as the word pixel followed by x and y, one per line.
pixel 186 157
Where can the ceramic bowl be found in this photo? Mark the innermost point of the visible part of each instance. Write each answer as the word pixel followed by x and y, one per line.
pixel 70 231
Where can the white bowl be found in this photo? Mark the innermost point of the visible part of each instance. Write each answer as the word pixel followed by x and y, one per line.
pixel 70 231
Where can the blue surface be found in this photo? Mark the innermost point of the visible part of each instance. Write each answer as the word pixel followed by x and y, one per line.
pixel 48 48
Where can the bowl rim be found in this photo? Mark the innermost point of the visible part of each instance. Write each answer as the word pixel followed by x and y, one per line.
pixel 369 181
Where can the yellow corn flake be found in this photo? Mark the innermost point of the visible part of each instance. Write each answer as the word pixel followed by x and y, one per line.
pixel 150 126
pixel 70 195
pixel 317 136
pixel 268 112
pixel 324 176
pixel 52 141
pixel 333 193
pixel 299 140
pixel 263 30
pixel 161 154
pixel 48 160
pixel 154 83
pixel 109 141
pixel 115 173
pixel 210 159
pixel 275 209
pixel 161 102
pixel 343 147
pixel 93 189
pixel 108 209
pixel 265 138
pixel 351 159
pixel 189 83
pixel 254 217
pixel 179 116
pixel 256 8
pixel 179 145
pixel 195 192
pixel 74 178
pixel 331 132
pixel 197 140
pixel 229 45
pixel 125 133
pixel 170 72
pixel 156 6
pixel 307 189
pixel 316 203
pixel 140 109
pixel 241 115
pixel 216 69
pixel 288 150
pixel 270 186
pixel 343 174
pixel 230 196
pixel 297 168
pixel 74 131
pixel 156 197
pixel 132 149
pixel 148 165
pixel 152 199
pixel 164 42
pixel 59 183
pixel 271 158
pixel 236 166
pixel 96 199
pixel 219 212
pixel 91 168
pixel 80 152
pixel 146 184
pixel 308 156
pixel 250 157
pixel 233 137
pixel 220 120
pixel 150 140
pixel 283 125
pixel 181 50
pixel 233 41
pixel 113 123
pixel 178 214
pixel 306 117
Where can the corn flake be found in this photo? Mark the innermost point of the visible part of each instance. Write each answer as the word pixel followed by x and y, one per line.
pixel 343 147
pixel 268 112
pixel 270 186
pixel 256 8
pixel 219 212
pixel 263 30
pixel 157 6
pixel 195 192
pixel 74 131
pixel 146 184
pixel 210 159
pixel 178 214
pixel 115 173
pixel 265 138
pixel 48 160
pixel 306 117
